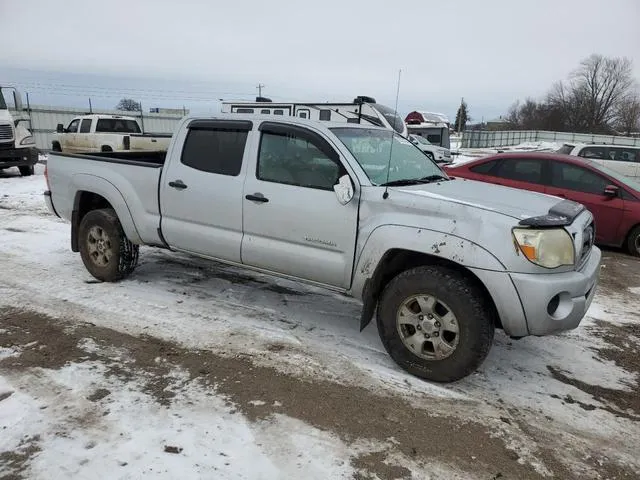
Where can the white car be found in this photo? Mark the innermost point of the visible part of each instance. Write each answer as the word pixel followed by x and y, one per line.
pixel 624 159
pixel 435 152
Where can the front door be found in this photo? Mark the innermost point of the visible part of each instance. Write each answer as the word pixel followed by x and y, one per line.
pixel 69 139
pixel 585 186
pixel 201 194
pixel 293 221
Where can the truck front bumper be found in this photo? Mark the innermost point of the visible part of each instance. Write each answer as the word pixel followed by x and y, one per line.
pixel 18 157
pixel 542 304
pixel 557 302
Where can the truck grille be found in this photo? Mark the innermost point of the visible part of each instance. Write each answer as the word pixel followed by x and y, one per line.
pixel 6 132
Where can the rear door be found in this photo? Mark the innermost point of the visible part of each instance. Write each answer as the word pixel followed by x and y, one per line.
pixel 201 191
pixel 293 222
pixel 585 186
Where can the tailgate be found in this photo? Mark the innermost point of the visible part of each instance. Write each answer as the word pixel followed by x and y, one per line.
pixel 149 143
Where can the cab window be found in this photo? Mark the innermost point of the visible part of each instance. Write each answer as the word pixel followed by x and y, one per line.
pixel 73 126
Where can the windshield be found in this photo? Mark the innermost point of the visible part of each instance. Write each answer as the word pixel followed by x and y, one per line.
pixel 3 104
pixel 391 116
pixel 422 140
pixel 566 148
pixel 618 176
pixel 372 148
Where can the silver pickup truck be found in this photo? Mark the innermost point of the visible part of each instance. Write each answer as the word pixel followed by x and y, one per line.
pixel 440 262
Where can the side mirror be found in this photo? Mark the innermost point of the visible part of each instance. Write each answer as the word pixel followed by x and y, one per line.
pixel 611 191
pixel 60 128
pixel 344 189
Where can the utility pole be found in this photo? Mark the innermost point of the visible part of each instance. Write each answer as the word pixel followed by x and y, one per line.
pixel 260 87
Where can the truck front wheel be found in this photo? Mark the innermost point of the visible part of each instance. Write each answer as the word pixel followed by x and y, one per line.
pixel 435 323
pixel 106 251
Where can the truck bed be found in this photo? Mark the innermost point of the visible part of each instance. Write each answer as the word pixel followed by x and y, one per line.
pixel 127 180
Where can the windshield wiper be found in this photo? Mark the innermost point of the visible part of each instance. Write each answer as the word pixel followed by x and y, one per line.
pixel 431 178
pixel 413 181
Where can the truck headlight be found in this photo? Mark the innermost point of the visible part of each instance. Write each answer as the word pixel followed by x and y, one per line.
pixel 27 140
pixel 549 248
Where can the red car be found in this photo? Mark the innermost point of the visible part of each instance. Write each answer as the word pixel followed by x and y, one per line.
pixel 613 199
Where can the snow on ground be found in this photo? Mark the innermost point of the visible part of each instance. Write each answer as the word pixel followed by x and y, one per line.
pixel 131 440
pixel 313 333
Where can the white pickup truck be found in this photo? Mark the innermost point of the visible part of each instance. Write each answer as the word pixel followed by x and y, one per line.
pixel 441 262
pixel 106 133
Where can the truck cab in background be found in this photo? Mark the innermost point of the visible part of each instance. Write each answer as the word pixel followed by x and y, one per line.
pixel 17 146
pixel 106 133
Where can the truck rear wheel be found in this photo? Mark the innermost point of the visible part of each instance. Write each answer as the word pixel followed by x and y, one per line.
pixel 26 170
pixel 106 251
pixel 435 323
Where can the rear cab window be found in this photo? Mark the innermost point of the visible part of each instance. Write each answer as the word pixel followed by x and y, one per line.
pixel 117 125
pixel 216 146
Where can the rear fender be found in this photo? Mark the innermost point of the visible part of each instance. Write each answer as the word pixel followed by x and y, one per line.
pixel 100 186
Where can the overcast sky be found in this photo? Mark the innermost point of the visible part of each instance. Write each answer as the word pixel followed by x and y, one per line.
pixel 171 53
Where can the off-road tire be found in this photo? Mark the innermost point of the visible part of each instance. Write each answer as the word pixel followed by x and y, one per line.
pixel 633 241
pixel 26 170
pixel 124 253
pixel 473 311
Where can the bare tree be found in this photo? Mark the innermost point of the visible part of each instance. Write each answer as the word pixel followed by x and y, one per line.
pixel 629 115
pixel 128 105
pixel 594 92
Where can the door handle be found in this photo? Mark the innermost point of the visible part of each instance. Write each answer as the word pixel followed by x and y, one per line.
pixel 257 197
pixel 179 184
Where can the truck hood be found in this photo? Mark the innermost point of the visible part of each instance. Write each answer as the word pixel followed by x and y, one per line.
pixel 516 203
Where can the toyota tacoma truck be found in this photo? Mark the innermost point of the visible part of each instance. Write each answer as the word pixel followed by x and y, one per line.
pixel 440 263
pixel 106 133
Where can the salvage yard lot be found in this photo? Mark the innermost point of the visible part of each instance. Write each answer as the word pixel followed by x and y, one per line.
pixel 191 369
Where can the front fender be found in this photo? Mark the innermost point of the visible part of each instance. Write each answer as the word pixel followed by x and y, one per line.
pixel 388 238
pixel 100 186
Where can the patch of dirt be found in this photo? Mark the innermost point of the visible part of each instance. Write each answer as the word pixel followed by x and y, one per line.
pixel 5 395
pixel 14 462
pixel 621 403
pixel 625 345
pixel 98 395
pixel 620 271
pixel 351 412
pixel 369 463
